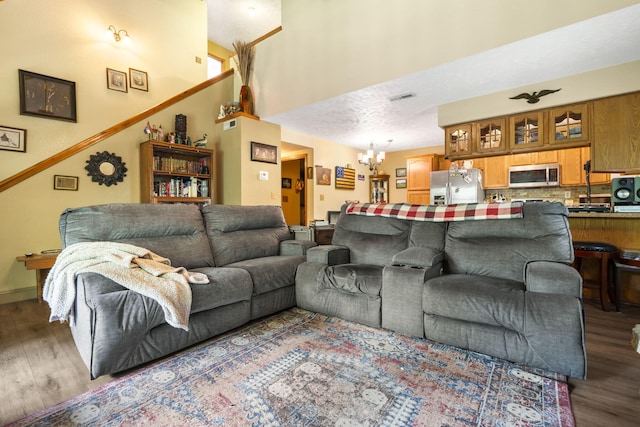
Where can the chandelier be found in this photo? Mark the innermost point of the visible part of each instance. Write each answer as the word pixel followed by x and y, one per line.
pixel 370 159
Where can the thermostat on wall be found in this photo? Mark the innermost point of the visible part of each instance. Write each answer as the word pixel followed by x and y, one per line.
pixel 229 124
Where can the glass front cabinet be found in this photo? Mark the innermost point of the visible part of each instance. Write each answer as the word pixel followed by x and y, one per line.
pixel 526 130
pixel 378 188
pixel 569 124
pixel 458 140
pixel 492 135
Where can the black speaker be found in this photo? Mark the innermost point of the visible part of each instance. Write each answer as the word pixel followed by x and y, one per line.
pixel 624 190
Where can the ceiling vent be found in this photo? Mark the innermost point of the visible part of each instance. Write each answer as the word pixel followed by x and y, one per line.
pixel 401 97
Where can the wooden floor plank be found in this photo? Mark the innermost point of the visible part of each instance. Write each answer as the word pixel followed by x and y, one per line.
pixel 40 366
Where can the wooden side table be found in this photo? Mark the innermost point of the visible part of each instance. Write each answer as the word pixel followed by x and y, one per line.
pixel 41 264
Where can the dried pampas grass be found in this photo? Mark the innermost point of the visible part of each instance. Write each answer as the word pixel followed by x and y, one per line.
pixel 245 54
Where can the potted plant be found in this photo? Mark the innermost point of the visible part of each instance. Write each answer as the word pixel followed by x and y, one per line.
pixel 245 54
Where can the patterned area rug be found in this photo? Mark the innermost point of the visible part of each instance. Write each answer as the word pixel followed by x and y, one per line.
pixel 304 369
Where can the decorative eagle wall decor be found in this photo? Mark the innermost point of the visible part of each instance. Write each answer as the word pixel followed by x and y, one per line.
pixel 534 96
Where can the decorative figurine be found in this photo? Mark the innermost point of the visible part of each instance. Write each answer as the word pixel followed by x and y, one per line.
pixel 160 134
pixel 201 142
pixel 188 141
pixel 221 114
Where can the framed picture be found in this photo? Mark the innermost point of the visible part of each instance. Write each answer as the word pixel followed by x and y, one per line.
pixel 401 171
pixel 286 182
pixel 13 139
pixel 44 96
pixel 62 182
pixel 264 153
pixel 138 80
pixel 401 183
pixel 116 80
pixel 323 175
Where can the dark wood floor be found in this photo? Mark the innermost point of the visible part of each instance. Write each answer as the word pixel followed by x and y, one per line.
pixel 40 366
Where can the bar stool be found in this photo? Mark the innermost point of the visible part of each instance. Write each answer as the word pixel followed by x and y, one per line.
pixel 606 253
pixel 629 260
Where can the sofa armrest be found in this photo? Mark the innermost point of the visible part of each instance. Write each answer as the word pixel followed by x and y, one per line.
pixel 419 257
pixel 296 247
pixel 552 278
pixel 329 254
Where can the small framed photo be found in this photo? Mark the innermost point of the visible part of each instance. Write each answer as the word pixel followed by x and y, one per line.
pixel 138 80
pixel 264 153
pixel 63 182
pixel 286 182
pixel 401 183
pixel 44 96
pixel 116 80
pixel 13 139
pixel 401 171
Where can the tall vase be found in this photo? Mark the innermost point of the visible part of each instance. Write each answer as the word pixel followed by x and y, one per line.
pixel 246 99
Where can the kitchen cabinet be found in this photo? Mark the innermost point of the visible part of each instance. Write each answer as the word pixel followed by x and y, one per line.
pixel 533 158
pixel 419 177
pixel 175 173
pixel 572 171
pixel 458 140
pixel 492 136
pixel 495 171
pixel 569 124
pixel 616 139
pixel 526 130
pixel 378 188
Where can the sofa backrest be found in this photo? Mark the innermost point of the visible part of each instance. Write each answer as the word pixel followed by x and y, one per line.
pixel 237 233
pixel 502 247
pixel 371 239
pixel 173 231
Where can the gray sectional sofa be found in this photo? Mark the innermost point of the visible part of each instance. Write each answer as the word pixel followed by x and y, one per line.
pixel 502 287
pixel 246 252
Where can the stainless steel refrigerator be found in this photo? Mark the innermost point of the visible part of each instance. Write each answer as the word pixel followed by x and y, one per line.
pixel 456 186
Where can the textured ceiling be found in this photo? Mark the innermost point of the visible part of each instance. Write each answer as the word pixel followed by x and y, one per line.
pixel 367 115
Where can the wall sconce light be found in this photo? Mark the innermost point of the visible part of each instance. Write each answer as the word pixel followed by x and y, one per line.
pixel 118 34
pixel 370 159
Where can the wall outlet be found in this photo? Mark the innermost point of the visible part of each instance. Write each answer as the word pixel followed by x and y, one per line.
pixel 567 194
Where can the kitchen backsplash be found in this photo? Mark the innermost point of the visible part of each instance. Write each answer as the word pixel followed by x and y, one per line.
pixel 547 193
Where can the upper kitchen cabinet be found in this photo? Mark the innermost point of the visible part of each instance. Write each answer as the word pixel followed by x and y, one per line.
pixel 526 131
pixel 569 124
pixel 616 139
pixel 492 135
pixel 458 141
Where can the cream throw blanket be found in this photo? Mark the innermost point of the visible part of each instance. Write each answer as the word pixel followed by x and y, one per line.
pixel 130 266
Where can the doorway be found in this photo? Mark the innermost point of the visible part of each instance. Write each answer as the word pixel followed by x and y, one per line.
pixel 294 192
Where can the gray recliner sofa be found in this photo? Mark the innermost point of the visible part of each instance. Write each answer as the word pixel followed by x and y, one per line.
pixel 247 253
pixel 502 287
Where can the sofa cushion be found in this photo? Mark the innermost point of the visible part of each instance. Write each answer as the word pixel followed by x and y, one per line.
pixel 173 231
pixel 226 286
pixel 270 273
pixel 371 240
pixel 476 299
pixel 239 233
pixel 354 278
pixel 501 248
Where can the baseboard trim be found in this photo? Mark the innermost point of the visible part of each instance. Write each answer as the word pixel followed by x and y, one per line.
pixel 15 295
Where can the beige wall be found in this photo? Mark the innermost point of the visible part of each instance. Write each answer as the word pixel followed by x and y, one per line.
pixel 580 87
pixel 66 39
pixel 417 35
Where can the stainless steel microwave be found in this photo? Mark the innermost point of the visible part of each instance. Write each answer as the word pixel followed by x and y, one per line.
pixel 534 175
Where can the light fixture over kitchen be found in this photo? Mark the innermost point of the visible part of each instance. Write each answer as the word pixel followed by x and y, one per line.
pixel 371 159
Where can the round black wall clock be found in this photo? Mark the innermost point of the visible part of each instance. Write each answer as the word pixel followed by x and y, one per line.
pixel 105 168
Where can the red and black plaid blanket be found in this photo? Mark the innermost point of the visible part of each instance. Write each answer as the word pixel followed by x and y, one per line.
pixel 439 213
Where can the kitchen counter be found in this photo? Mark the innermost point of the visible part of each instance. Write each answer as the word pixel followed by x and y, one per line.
pixel 607 215
pixel 621 229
